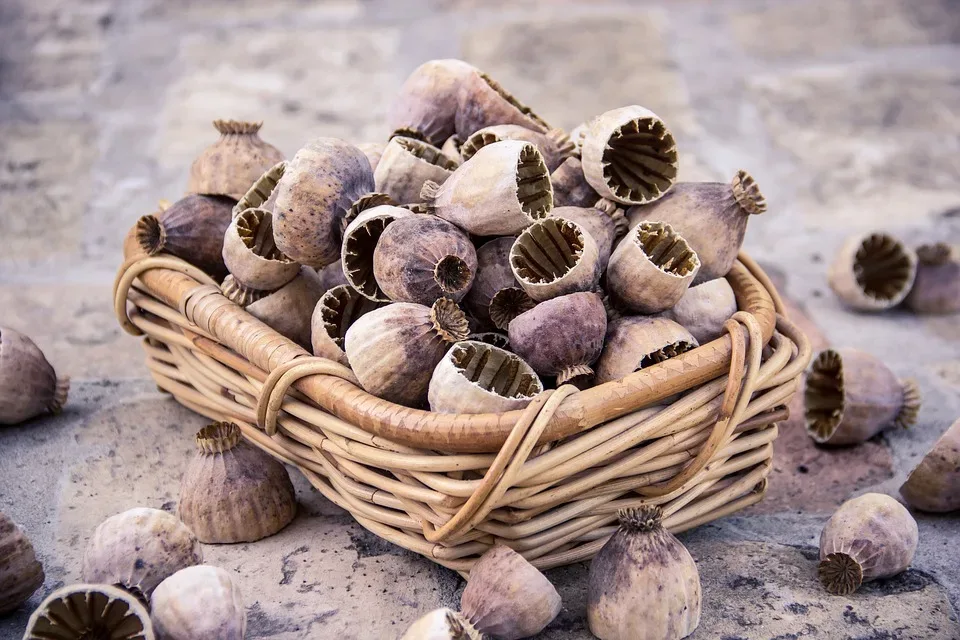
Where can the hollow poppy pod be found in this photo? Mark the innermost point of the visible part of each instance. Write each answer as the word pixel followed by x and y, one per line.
pixel 934 485
pixel 426 106
pixel 360 241
pixel 406 164
pixel 872 272
pixel 234 162
pixel 554 257
pixel 483 102
pixel 637 342
pixel 334 314
pixel 84 611
pixel 554 145
pixel 936 288
pixel 251 255
pixel 474 377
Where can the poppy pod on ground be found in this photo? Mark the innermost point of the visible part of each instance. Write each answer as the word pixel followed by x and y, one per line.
pixel 936 288
pixel 873 272
pixel 199 602
pixel 934 485
pixel 28 384
pixel 85 611
pixel 21 574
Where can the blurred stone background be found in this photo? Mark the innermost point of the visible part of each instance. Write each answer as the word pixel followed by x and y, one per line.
pixel 847 113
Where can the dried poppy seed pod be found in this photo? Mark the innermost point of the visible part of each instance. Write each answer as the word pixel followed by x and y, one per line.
pixel 251 255
pixel 936 288
pixel 872 272
pixel 554 145
pixel 427 101
pixel 479 378
pixel 192 228
pixel 451 149
pixel 869 537
pixel 482 102
pixel 394 350
pixel 261 195
pixel 603 222
pixel 332 276
pixel 373 151
pixel 570 186
pixel 934 485
pixel 288 310
pixel 233 491
pixel 406 164
pixel 507 598
pixel 506 304
pixel 28 384
pixel 629 155
pixel 234 162
pixel 851 396
pixel 494 275
pixel 198 602
pixel 138 549
pixel 636 342
pixel 87 611
pixel 554 257
pixel 561 337
pixel 20 572
pixel 421 258
pixel 500 191
pixel 493 338
pixel 313 196
pixel 643 583
pixel 442 624
pixel 711 216
pixel 359 243
pixel 652 268
pixel 336 312
pixel 704 308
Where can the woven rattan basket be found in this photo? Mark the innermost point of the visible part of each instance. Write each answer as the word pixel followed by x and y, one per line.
pixel 693 434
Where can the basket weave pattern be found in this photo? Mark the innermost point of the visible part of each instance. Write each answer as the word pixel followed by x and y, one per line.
pixel 693 434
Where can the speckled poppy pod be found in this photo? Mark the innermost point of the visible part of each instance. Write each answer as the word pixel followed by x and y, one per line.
pixel 629 155
pixel 90 611
pixel 234 162
pixel 394 350
pixel 426 106
pixel 637 342
pixel 936 289
pixel 494 277
pixel 373 151
pixel 406 164
pixel 554 257
pixel 474 377
pixel 289 309
pixel 421 258
pixel 251 255
pixel 192 228
pixel 604 222
pixel 198 602
pixel 651 268
pixel 359 243
pixel 233 491
pixel 442 624
pixel 934 485
pixel 20 572
pixel 262 194
pixel 482 102
pixel 570 186
pixel 500 191
pixel 873 272
pixel 318 187
pixel 851 396
pixel 336 312
pixel 561 337
pixel 554 145
pixel 704 308
pixel 869 537
pixel 28 384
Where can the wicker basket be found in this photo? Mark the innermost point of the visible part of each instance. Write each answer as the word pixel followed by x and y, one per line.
pixel 693 434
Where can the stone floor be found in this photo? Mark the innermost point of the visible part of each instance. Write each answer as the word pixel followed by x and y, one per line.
pixel 848 114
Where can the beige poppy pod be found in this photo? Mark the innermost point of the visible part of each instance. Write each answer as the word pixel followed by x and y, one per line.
pixel 493 338
pixel 507 598
pixel 251 255
pixel 643 584
pixel 332 275
pixel 21 574
pixel 704 308
pixel 637 342
pixel 850 396
pixel 234 162
pixel 570 186
pixel 233 491
pixel 28 384
pixel 934 485
pixel 87 612
pixel 483 102
pixel 373 151
pixel 426 106
pixel 869 537
pixel 554 145
pixel 872 272
pixel 936 288
pixel 442 624
pixel 651 268
pixel 407 164
pixel 336 312
pixel 451 149
pixel 474 377
pixel 198 602
pixel 422 258
pixel 262 194
pixel 604 222
pixel 192 228
pixel 711 216
pixel 554 257
pixel 312 198
pixel 360 240
pixel 492 276
pixel 138 549
pixel 561 337
pixel 394 350
pixel 629 155
pixel 501 190
pixel 289 309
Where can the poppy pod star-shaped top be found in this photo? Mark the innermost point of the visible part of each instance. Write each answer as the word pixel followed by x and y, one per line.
pixel 234 162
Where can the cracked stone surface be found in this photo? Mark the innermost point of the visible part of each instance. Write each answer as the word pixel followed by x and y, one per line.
pixel 846 114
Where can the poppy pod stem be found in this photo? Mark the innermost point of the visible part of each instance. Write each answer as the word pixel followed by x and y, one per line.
pixel 151 235
pixel 747 193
